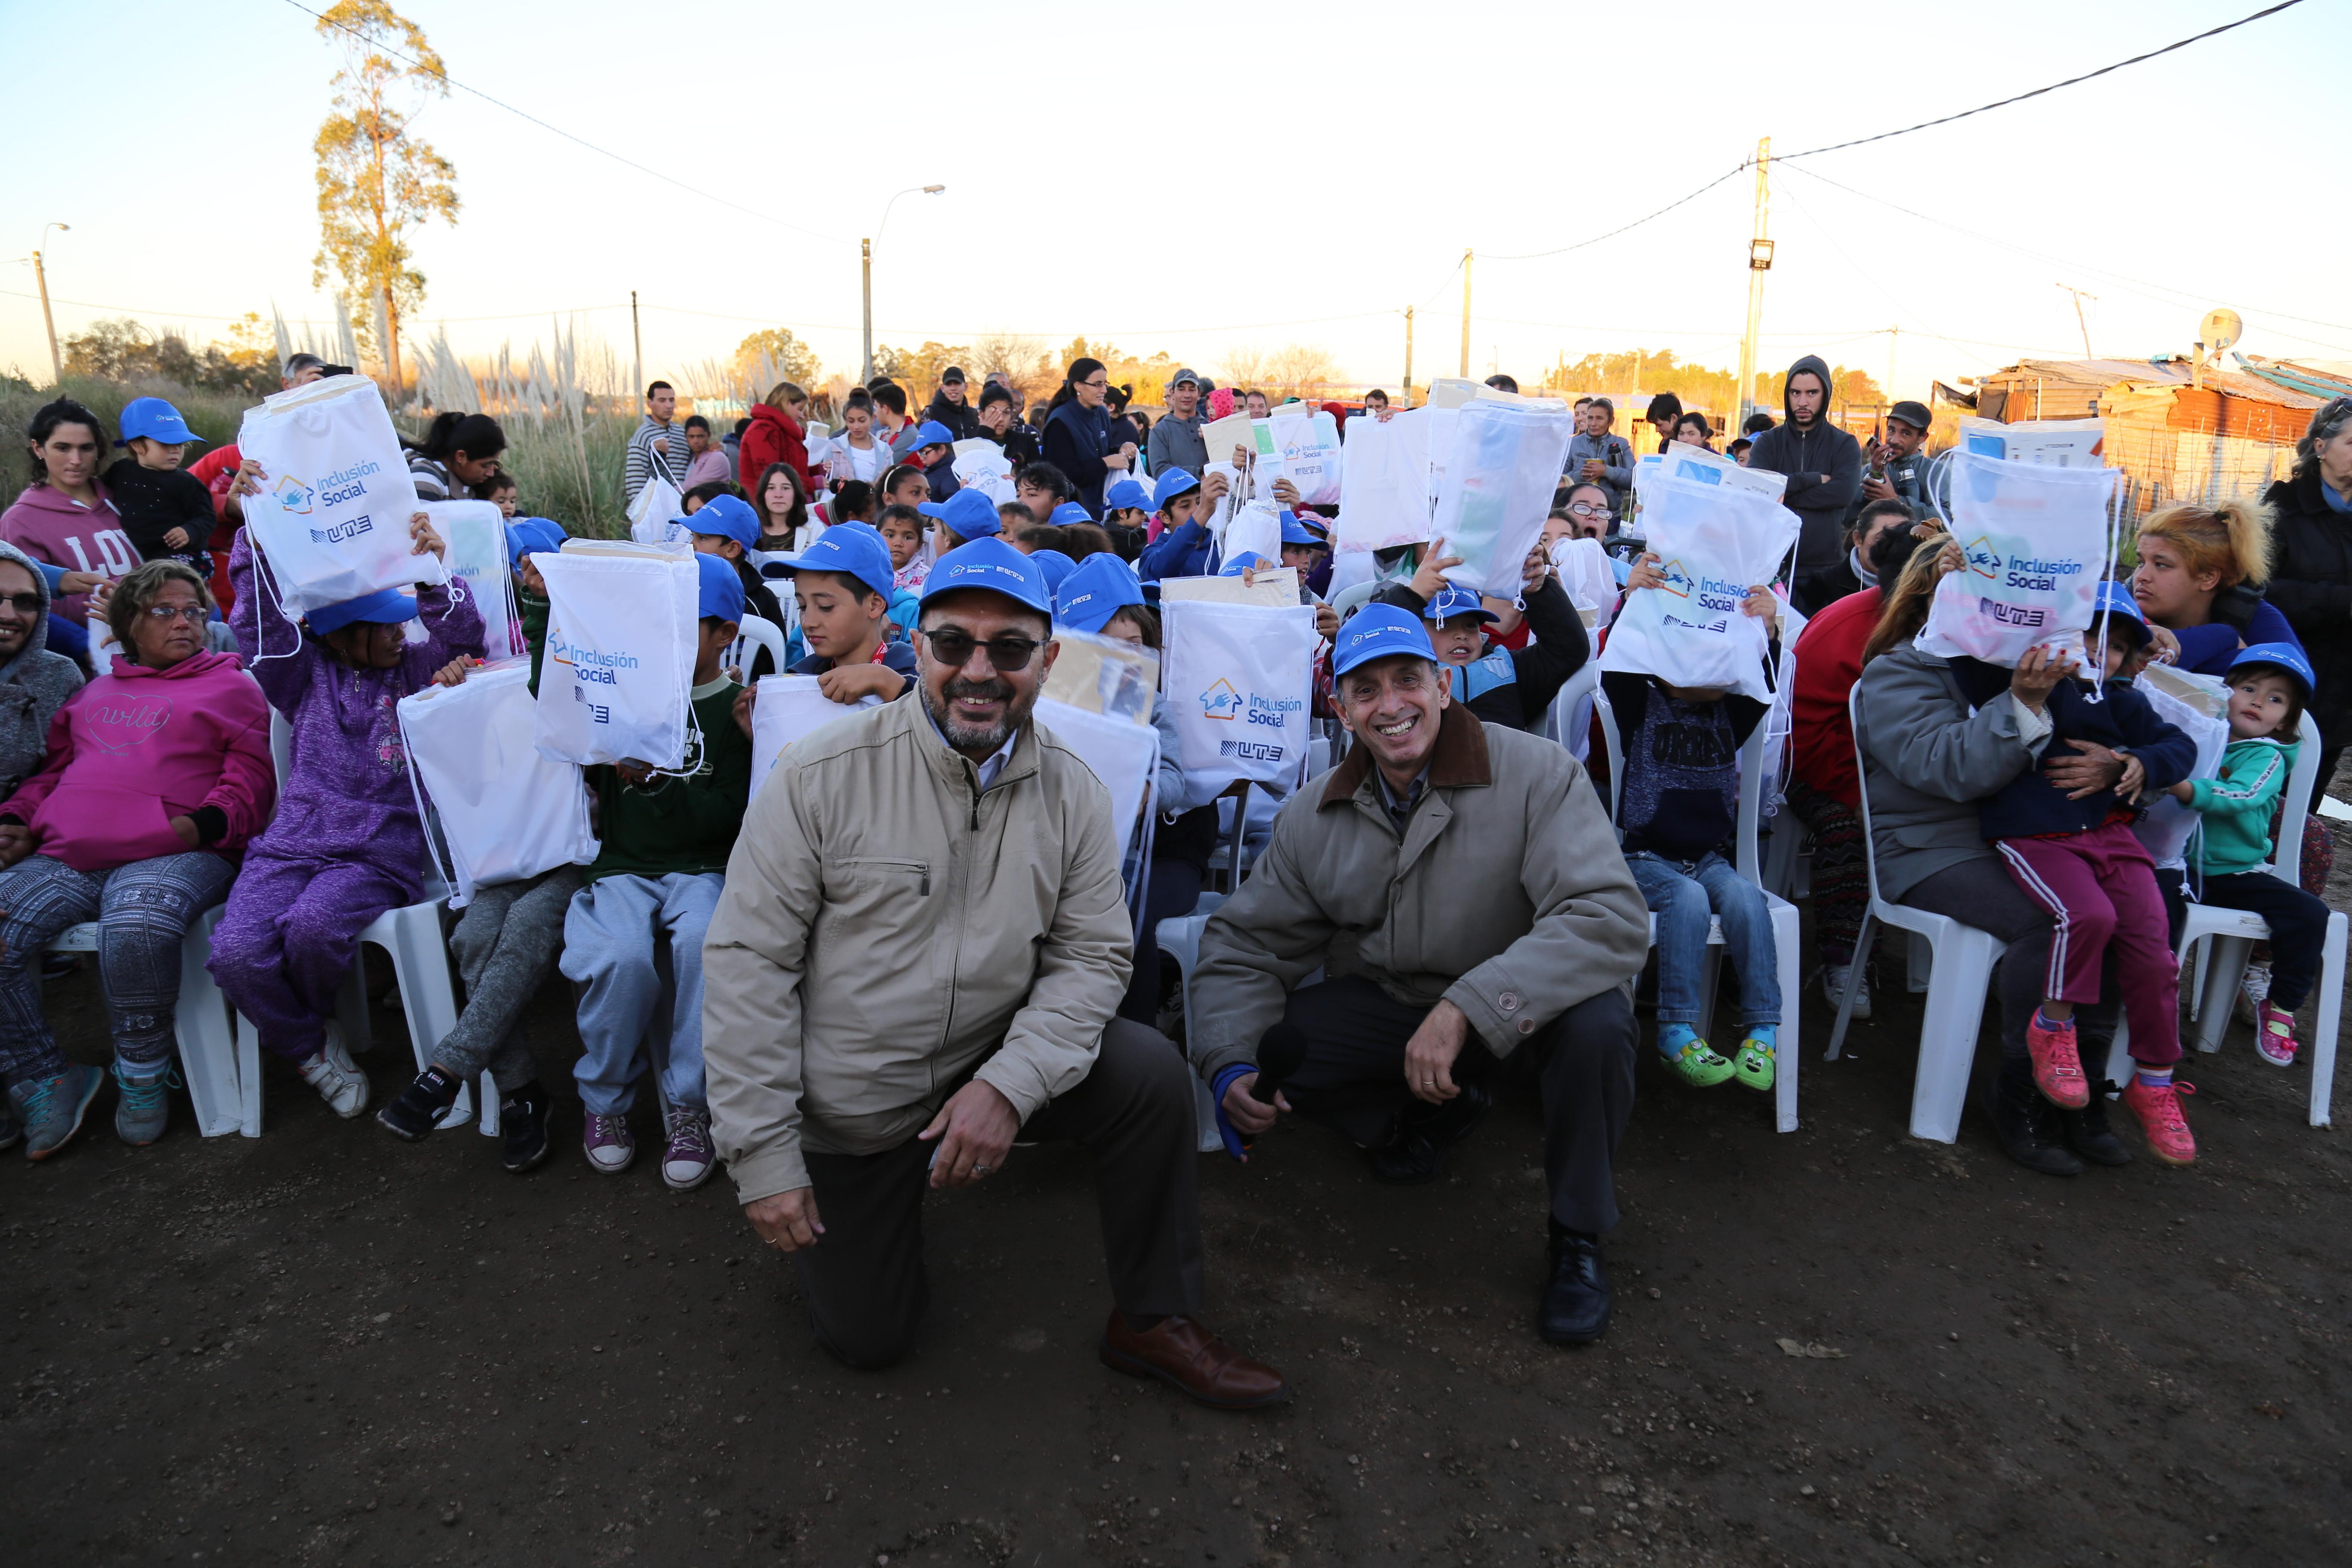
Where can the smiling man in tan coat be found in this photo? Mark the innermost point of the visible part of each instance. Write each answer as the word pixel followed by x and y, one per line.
pixel 917 958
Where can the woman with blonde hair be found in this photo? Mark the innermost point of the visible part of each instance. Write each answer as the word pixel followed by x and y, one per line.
pixel 778 434
pixel 2199 582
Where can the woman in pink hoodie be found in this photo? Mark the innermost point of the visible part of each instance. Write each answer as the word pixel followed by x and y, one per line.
pixel 157 775
pixel 66 516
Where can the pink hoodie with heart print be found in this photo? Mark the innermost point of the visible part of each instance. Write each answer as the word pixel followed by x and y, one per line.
pixel 137 747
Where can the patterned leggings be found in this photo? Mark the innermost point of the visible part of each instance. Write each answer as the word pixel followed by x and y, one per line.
pixel 1841 871
pixel 143 911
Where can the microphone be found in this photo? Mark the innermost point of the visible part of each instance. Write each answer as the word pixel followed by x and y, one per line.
pixel 1281 1052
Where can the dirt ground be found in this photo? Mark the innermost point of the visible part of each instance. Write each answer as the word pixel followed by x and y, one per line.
pixel 328 1346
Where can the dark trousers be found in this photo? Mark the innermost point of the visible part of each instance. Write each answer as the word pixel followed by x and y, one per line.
pixel 1134 1112
pixel 1353 1081
pixel 1174 889
pixel 2298 925
pixel 1980 893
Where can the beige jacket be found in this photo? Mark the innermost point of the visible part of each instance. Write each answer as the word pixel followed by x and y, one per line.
pixel 885 926
pixel 1506 895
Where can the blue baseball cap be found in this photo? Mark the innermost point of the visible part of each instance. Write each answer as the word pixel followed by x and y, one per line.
pixel 931 433
pixel 1100 587
pixel 385 606
pixel 1451 601
pixel 529 535
pixel 1380 631
pixel 155 419
pixel 2115 599
pixel 992 565
pixel 720 591
pixel 1296 532
pixel 969 513
pixel 1248 561
pixel 2282 656
pixel 726 517
pixel 1127 493
pixel 1056 566
pixel 1174 482
pixel 1068 512
pixel 852 549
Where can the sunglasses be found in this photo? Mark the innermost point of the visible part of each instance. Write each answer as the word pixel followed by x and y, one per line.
pixel 24 604
pixel 953 648
pixel 163 615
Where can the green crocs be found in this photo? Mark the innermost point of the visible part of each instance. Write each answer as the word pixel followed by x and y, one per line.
pixel 1754 1064
pixel 1699 1067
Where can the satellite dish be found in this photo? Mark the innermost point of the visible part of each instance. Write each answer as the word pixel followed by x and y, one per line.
pixel 2221 329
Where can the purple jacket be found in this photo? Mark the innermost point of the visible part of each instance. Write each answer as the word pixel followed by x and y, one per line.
pixel 346 794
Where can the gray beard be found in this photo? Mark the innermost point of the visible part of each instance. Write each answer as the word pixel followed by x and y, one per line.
pixel 968 738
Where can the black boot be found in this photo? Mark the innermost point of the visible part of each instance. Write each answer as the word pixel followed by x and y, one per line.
pixel 420 1105
pixel 2027 1126
pixel 1574 1307
pixel 2088 1133
pixel 1417 1152
pixel 523 1117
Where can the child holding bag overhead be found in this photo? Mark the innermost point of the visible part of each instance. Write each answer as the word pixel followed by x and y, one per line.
pixel 346 843
pixel 2270 685
pixel 660 870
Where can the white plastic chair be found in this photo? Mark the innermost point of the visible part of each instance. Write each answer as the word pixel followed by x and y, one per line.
pixel 756 632
pixel 209 1059
pixel 1568 721
pixel 1755 768
pixel 1955 970
pixel 2222 940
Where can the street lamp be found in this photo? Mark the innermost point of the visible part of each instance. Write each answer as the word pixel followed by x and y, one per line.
pixel 57 365
pixel 866 263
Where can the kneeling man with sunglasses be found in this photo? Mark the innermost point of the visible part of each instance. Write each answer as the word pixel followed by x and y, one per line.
pixel 918 959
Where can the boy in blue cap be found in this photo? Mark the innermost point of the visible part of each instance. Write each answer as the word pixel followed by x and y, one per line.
pixel 166 512
pixel 2269 684
pixel 844 585
pixel 525 537
pixel 660 871
pixel 935 450
pixel 1503 686
pixel 1127 509
pixel 964 517
pixel 1183 548
pixel 726 527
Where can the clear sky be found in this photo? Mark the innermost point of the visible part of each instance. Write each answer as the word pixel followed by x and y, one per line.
pixel 1195 178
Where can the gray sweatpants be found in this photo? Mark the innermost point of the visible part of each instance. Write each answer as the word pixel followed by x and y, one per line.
pixel 506 944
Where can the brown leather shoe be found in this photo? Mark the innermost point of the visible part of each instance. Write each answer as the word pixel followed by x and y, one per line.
pixel 1184 1355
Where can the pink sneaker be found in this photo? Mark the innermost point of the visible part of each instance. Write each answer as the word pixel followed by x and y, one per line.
pixel 2157 1105
pixel 2057 1068
pixel 2274 1034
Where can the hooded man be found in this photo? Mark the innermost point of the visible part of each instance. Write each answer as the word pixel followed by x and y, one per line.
pixel 34 682
pixel 1824 468
pixel 949 407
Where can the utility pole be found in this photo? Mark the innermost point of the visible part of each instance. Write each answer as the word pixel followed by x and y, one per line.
pixel 41 274
pixel 2079 297
pixel 866 272
pixel 1759 262
pixel 1408 356
pixel 1465 315
pixel 1893 335
pixel 638 343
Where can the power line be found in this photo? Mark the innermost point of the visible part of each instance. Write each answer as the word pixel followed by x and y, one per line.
pixel 445 79
pixel 1580 245
pixel 2053 87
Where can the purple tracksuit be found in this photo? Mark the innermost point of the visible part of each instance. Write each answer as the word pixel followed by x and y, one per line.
pixel 345 844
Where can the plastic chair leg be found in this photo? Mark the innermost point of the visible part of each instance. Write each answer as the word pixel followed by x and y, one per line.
pixel 206 1036
pixel 248 1076
pixel 1786 932
pixel 2331 1013
pixel 2119 1057
pixel 1710 976
pixel 1868 933
pixel 2224 966
pixel 1919 968
pixel 1948 1044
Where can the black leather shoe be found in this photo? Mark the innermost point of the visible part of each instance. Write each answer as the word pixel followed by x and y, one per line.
pixel 2027 1126
pixel 523 1116
pixel 2088 1133
pixel 1417 1152
pixel 1574 1309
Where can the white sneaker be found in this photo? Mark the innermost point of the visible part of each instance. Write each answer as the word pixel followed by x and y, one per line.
pixel 2252 992
pixel 336 1076
pixel 1834 984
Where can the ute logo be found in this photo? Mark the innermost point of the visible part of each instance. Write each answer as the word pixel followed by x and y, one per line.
pixel 1677 581
pixel 1982 558
pixel 292 495
pixel 1220 700
pixel 337 533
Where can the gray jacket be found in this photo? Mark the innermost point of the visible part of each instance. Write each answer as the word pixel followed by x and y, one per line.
pixel 1926 760
pixel 1176 444
pixel 1506 896
pixel 1616 457
pixel 32 686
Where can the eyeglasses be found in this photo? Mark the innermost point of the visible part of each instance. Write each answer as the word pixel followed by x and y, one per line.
pixel 24 604
pixel 1588 508
pixel 1098 386
pixel 952 646
pixel 163 615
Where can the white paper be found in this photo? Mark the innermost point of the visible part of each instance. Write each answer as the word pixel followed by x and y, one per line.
pixel 790 708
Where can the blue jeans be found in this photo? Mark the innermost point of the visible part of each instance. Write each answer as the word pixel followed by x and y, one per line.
pixel 1683 894
pixel 609 937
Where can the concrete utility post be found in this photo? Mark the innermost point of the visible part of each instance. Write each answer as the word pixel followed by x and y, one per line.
pixel 1759 262
pixel 50 322
pixel 1408 356
pixel 866 267
pixel 1465 315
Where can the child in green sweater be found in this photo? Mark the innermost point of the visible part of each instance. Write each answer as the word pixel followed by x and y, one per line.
pixel 2269 685
pixel 666 840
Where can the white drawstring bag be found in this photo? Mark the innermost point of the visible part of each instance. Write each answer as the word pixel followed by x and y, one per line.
pixel 508 811
pixel 332 515
pixel 790 708
pixel 1238 683
pixel 1584 571
pixel 1123 753
pixel 1712 543
pixel 654 516
pixel 1308 438
pixel 1384 484
pixel 2036 542
pixel 1500 474
pixel 2197 706
pixel 476 537
pixel 615 679
pixel 1255 529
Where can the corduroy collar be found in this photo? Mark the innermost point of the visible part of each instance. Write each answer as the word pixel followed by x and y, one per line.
pixel 1457 761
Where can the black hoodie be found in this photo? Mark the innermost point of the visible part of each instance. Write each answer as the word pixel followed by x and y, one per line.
pixel 961 418
pixel 1806 453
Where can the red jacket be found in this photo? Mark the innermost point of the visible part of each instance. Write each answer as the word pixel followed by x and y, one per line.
pixel 775 436
pixel 1829 663
pixel 216 470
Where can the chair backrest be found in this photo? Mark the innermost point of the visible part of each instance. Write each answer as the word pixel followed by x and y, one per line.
pixel 2287 855
pixel 1353 597
pixel 757 631
pixel 1569 719
pixel 1862 789
pixel 1754 767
